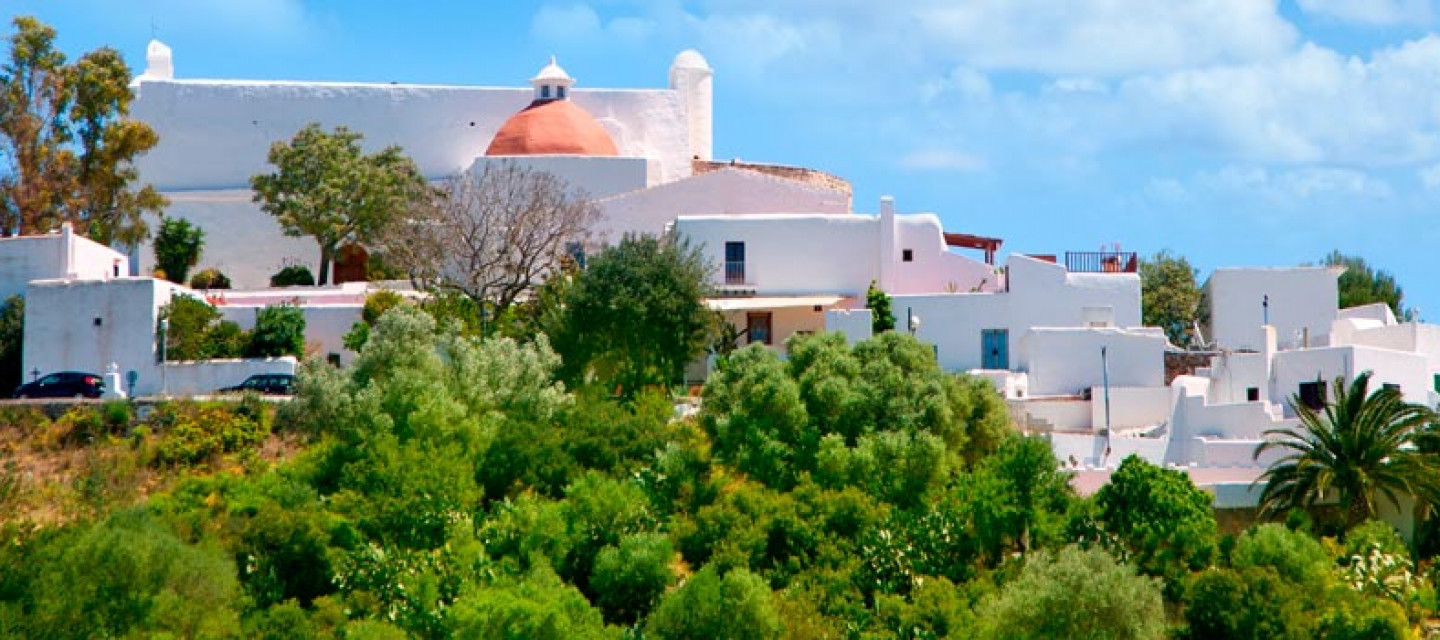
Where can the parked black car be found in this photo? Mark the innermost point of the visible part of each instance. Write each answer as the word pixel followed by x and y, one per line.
pixel 65 384
pixel 270 384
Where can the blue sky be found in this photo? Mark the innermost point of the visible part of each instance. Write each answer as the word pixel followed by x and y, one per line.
pixel 1233 132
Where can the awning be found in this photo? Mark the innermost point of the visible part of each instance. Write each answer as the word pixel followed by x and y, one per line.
pixel 770 302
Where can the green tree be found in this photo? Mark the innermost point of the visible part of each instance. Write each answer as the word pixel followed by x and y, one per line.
pixel 326 187
pixel 279 331
pixel 67 149
pixel 12 342
pixel 736 606
pixel 1075 594
pixel 1169 297
pixel 636 315
pixel 753 413
pixel 628 579
pixel 1358 449
pixel 1159 518
pixel 878 302
pixel 194 330
pixel 538 607
pixel 1362 284
pixel 177 248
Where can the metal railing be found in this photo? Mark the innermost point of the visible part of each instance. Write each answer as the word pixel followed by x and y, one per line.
pixel 735 272
pixel 1101 262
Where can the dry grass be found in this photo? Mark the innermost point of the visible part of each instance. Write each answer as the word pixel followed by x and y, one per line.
pixel 49 477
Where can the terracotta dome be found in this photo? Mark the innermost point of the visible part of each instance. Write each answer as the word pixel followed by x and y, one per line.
pixel 552 127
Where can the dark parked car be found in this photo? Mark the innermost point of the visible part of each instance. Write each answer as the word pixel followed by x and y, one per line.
pixel 270 384
pixel 65 384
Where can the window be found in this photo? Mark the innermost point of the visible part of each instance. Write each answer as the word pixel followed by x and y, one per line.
pixel 544 91
pixel 1390 386
pixel 576 251
pixel 1437 383
pixel 734 263
pixel 907 255
pixel 53 378
pixel 757 326
pixel 333 359
pixel 1312 394
pixel 560 92
pixel 1252 394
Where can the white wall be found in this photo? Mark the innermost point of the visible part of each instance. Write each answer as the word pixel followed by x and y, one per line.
pixel 1040 294
pixel 1233 374
pixel 214 134
pixel 325 325
pixel 1071 415
pixel 1063 361
pixel 791 254
pixel 1409 370
pixel 61 331
pixel 933 268
pixel 1300 298
pixel 953 323
pixel 1130 407
pixel 857 324
pixel 720 192
pixel 1089 450
pixel 240 240
pixel 55 256
pixel 1044 294
pixel 207 376
pixel 596 176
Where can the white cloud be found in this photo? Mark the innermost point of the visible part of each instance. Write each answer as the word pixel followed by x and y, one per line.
pixel 1313 106
pixel 558 23
pixel 1285 189
pixel 943 160
pixel 1430 177
pixel 579 22
pixel 1105 37
pixel 1371 12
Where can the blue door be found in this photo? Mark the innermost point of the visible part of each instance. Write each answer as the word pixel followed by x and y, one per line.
pixel 995 349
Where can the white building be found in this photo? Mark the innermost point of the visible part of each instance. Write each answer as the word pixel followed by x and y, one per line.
pixel 215 134
pixel 88 325
pixel 1300 302
pixel 56 255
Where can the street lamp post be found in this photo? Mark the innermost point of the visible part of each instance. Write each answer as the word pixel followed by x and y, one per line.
pixel 164 341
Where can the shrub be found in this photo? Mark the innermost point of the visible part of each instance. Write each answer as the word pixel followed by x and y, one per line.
pixel 12 339
pixel 1075 594
pixel 628 579
pixel 193 434
pixel 177 248
pixel 737 605
pixel 196 332
pixel 279 331
pixel 210 278
pixel 293 275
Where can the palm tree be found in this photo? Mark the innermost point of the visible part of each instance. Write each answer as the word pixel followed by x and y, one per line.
pixel 1358 448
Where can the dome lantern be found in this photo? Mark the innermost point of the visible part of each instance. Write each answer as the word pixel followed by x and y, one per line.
pixel 552 83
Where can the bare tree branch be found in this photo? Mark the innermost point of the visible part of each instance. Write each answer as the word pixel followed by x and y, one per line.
pixel 493 236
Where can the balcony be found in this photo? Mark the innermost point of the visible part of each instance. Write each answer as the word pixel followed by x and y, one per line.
pixel 1101 262
pixel 737 279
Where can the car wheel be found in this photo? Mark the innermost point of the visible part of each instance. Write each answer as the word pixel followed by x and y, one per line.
pixel 79 396
pixel 23 396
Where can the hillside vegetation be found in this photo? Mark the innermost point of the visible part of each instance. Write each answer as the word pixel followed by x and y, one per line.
pixel 449 487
